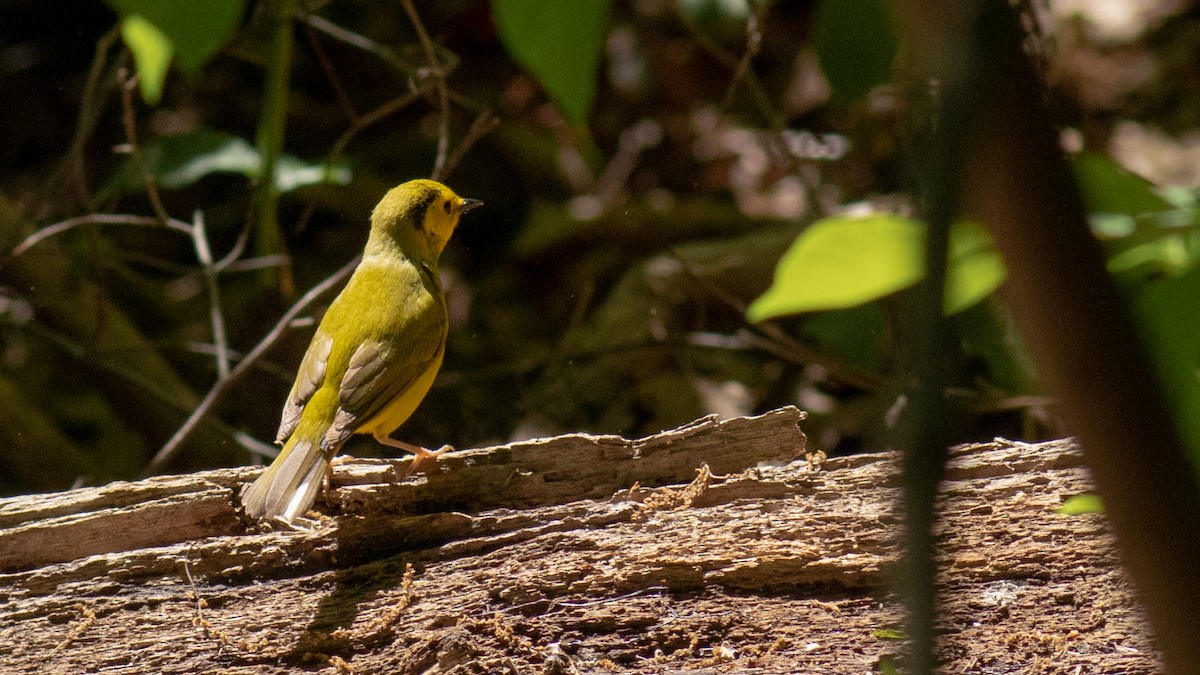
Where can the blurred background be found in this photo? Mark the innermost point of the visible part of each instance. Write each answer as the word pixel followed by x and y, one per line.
pixel 644 164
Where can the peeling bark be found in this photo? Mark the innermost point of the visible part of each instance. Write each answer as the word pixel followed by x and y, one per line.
pixel 571 554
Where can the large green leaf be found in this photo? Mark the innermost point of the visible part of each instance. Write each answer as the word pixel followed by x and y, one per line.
pixel 1081 504
pixel 156 30
pixel 181 160
pixel 1109 188
pixel 1169 315
pixel 855 45
pixel 152 51
pixel 560 43
pixel 845 261
pixel 974 269
pixel 853 334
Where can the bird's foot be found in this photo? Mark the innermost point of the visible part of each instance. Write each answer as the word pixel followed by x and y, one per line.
pixel 422 454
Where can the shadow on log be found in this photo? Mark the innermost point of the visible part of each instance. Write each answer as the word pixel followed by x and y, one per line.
pixel 716 547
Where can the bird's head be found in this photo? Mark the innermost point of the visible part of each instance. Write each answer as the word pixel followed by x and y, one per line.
pixel 419 216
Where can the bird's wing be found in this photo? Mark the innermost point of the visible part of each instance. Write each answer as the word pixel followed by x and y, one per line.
pixel 380 371
pixel 308 380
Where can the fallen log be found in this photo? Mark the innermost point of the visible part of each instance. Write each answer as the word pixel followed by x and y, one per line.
pixel 715 547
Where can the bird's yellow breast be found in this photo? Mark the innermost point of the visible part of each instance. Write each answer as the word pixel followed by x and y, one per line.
pixel 403 406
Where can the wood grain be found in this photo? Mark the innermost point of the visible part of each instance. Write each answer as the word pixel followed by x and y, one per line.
pixel 775 567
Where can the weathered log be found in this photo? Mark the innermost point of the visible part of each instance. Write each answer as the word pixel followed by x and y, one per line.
pixel 558 556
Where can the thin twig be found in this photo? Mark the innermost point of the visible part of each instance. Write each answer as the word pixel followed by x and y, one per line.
pixel 330 72
pixel 100 359
pixel 636 138
pixel 127 85
pixel 258 263
pixel 92 219
pixel 753 86
pixel 231 260
pixel 172 447
pixel 239 247
pixel 285 375
pixel 361 42
pixel 436 71
pixel 204 255
pixel 777 340
pixel 200 604
pixel 363 121
pixel 483 125
pixel 753 44
pixel 88 114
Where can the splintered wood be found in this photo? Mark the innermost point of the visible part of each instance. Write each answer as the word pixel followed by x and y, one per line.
pixel 714 548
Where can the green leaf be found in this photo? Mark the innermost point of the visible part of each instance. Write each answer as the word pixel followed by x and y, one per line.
pixel 855 45
pixel 845 261
pixel 854 334
pixel 1080 504
pixel 293 173
pixel 889 634
pixel 1109 188
pixel 709 12
pixel 560 43
pixel 975 269
pixel 183 159
pixel 151 54
pixel 196 29
pixel 990 337
pixel 1164 254
pixel 1168 312
pixel 152 51
pixel 841 262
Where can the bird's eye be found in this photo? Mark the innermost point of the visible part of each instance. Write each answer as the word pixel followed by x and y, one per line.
pixel 446 206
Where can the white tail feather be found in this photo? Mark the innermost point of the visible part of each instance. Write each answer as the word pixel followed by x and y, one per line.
pixel 306 493
pixel 288 487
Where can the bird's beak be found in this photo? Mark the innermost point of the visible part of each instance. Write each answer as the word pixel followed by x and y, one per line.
pixel 468 204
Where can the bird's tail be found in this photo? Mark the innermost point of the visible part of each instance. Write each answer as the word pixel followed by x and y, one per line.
pixel 289 486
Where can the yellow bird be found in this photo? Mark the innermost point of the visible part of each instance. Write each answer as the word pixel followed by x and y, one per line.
pixel 375 354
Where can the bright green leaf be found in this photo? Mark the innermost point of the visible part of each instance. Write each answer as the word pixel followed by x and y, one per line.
pixel 181 160
pixel 1109 188
pixel 855 45
pixel 1080 504
pixel 887 666
pixel 152 51
pixel 560 43
pixel 845 261
pixel 1165 254
pixel 975 269
pixel 196 29
pixel 889 634
pixel 1112 225
pixel 293 173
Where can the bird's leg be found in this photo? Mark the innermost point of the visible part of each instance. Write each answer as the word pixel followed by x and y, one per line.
pixel 422 454
pixel 328 492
